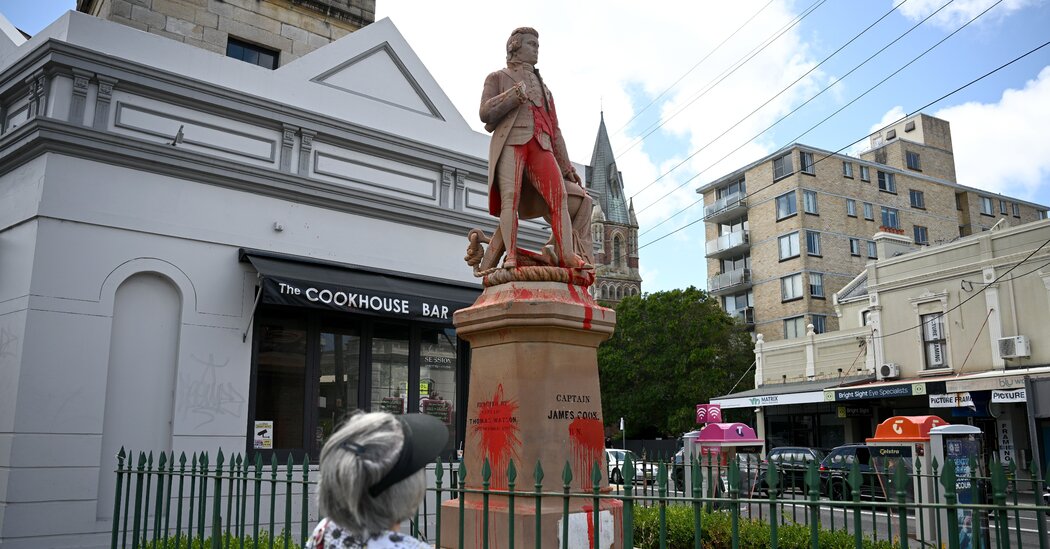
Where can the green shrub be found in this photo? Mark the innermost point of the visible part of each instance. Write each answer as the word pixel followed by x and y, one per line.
pixel 717 530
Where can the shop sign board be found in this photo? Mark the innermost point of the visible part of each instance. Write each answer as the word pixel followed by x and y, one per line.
pixel 854 411
pixel 1001 383
pixel 952 400
pixel 1016 395
pixel 876 392
pixel 771 400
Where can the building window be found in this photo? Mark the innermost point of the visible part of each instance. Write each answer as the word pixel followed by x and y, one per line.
pixel 865 175
pixel 865 317
pixel 892 134
pixel 912 159
pixel 809 202
pixel 1002 207
pixel 869 211
pixel 873 250
pixel 918 199
pixel 816 284
pixel 805 162
pixel 791 287
pixel 851 207
pixel 617 251
pixel 986 206
pixel 933 340
pixel 1042 214
pixel 250 53
pixel 887 182
pixel 786 205
pixel 782 166
pixel 820 323
pixel 1017 209
pixel 788 246
pixel 847 169
pixel 794 327
pixel 890 218
pixel 958 202
pixel 854 247
pixel 813 243
pixel 921 235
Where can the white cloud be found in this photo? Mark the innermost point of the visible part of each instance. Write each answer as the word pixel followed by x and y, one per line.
pixel 961 11
pixel 1003 147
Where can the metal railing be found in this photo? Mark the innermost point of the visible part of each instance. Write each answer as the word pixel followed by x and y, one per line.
pixel 728 241
pixel 729 279
pixel 747 503
pixel 726 203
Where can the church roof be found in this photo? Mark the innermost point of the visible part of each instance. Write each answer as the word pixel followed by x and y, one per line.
pixel 604 180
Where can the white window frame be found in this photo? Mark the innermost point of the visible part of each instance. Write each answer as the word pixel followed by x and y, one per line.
pixel 1016 209
pixel 986 206
pixel 789 198
pixel 865 173
pixel 782 167
pixel 869 211
pixel 816 282
pixel 916 229
pixel 847 169
pixel 908 156
pixel 813 243
pixel 931 303
pixel 798 324
pixel 805 162
pixel 891 217
pixel 917 199
pixel 887 182
pixel 934 341
pixel 873 250
pixel 809 202
pixel 821 326
pixel 791 287
pixel 854 247
pixel 789 240
pixel 851 207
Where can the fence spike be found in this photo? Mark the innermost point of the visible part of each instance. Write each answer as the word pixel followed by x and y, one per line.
pixel 627 471
pixel 537 473
pixel 512 472
pixel 566 473
pixel 486 471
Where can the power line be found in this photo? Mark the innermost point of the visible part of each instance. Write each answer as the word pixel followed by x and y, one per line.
pixel 781 92
pixel 725 74
pixel 698 63
pixel 796 109
pixel 912 113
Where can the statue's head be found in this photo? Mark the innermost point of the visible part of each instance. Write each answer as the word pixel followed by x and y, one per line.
pixel 515 40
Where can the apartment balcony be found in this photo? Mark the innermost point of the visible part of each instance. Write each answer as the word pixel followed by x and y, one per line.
pixel 733 243
pixel 732 281
pixel 727 207
pixel 745 316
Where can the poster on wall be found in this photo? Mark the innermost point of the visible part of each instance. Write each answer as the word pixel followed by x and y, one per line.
pixel 958 453
pixel 263 435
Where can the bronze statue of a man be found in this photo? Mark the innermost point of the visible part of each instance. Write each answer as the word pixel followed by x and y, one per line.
pixel 530 174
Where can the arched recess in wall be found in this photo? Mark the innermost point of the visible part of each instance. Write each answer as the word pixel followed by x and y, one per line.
pixel 147 309
pixel 617 251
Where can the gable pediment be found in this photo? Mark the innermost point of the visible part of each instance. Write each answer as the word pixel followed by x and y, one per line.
pixel 380 75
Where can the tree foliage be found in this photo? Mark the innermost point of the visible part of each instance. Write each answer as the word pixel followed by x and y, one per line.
pixel 671 351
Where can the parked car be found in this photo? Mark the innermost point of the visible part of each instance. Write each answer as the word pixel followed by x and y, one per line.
pixel 836 467
pixel 791 463
pixel 615 458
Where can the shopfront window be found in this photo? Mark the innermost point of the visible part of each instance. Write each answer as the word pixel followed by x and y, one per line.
pixel 390 369
pixel 437 376
pixel 281 381
pixel 340 378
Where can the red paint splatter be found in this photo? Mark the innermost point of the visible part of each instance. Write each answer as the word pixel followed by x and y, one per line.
pixel 588 310
pixel 587 437
pixel 498 426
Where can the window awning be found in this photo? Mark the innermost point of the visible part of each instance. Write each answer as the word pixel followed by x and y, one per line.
pixel 305 282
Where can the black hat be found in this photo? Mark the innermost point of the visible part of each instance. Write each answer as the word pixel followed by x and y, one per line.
pixel 425 438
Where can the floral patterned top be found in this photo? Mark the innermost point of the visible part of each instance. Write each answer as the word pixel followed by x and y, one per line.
pixel 329 535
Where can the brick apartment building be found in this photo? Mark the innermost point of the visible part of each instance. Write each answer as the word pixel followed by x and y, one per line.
pixel 786 232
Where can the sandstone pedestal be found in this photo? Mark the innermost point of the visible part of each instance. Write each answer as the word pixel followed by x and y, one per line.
pixel 534 397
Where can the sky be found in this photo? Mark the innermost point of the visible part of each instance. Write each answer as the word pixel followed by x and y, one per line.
pixel 691 90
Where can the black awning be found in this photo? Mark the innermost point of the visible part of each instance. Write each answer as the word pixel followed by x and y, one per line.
pixel 304 282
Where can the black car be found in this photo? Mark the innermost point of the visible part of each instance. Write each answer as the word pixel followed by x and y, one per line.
pixel 876 481
pixel 791 463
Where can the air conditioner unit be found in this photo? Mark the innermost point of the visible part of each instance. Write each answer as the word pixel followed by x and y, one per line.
pixel 889 371
pixel 1014 347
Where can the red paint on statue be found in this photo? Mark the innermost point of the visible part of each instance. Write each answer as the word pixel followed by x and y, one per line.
pixel 588 309
pixel 587 437
pixel 497 425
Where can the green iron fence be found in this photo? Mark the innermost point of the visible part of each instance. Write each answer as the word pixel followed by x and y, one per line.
pixel 200 502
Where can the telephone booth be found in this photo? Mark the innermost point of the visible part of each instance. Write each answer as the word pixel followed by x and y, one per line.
pixel 961 447
pixel 717 445
pixel 905 440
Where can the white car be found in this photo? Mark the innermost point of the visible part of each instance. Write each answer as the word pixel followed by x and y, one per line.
pixel 615 458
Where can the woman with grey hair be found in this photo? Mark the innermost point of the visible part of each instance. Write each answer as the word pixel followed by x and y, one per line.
pixel 372 480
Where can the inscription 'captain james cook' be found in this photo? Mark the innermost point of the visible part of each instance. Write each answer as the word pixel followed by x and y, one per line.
pixel 572 414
